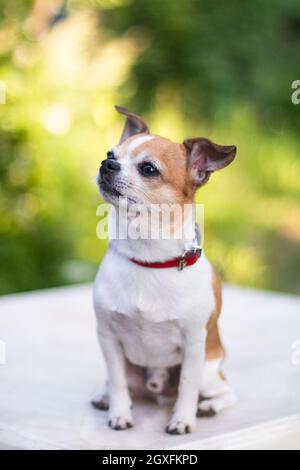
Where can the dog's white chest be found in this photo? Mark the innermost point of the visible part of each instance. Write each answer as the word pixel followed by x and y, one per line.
pixel 146 308
pixel 146 343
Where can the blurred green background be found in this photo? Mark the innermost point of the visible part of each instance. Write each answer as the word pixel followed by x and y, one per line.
pixel 193 68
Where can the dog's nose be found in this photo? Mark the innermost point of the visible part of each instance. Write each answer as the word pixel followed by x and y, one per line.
pixel 110 165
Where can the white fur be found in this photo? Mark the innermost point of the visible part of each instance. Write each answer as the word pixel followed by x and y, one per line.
pixel 137 141
pixel 217 394
pixel 153 295
pixel 155 318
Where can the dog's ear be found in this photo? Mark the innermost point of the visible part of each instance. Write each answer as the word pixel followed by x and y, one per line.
pixel 204 157
pixel 134 124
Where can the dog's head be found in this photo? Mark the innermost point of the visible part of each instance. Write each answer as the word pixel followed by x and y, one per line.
pixel 149 169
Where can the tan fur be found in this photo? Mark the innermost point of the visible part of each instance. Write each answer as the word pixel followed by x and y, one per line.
pixel 214 347
pixel 152 170
pixel 174 185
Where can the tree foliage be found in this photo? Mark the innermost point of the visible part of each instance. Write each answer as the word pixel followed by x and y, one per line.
pixel 193 67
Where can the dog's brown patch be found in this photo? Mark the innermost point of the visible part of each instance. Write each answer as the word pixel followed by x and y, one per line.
pixel 174 183
pixel 184 167
pixel 214 347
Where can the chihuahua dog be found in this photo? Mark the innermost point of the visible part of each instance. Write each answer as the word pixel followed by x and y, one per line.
pixel 157 301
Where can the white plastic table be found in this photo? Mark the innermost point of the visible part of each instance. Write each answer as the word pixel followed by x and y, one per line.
pixel 54 367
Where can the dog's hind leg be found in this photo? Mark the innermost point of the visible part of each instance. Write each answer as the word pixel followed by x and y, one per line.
pixel 215 392
pixel 136 377
pixel 101 402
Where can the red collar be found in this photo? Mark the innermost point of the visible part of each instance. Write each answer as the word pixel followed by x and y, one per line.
pixel 187 259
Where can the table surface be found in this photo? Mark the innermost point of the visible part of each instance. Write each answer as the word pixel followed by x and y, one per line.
pixel 54 367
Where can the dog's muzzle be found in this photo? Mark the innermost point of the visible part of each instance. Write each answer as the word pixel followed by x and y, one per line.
pixel 108 170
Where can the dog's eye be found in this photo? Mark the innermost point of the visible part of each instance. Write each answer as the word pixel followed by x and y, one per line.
pixel 148 169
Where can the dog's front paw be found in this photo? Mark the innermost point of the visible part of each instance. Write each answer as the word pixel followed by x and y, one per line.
pixel 180 426
pixel 120 423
